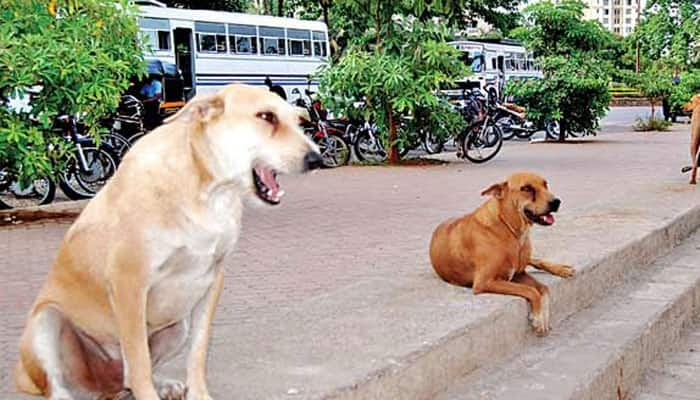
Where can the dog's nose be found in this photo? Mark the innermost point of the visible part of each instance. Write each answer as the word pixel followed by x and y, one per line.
pixel 312 160
pixel 554 204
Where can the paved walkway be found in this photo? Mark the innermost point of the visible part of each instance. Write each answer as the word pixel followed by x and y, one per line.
pixel 340 228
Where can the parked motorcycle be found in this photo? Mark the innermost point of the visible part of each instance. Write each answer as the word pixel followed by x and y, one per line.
pixel 331 135
pixel 482 139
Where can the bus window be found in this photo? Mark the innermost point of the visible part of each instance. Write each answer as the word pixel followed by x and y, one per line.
pixel 521 62
pixel 493 63
pixel 474 59
pixel 272 41
pixel 211 37
pixel 320 44
pixel 156 33
pixel 509 62
pixel 242 39
pixel 299 42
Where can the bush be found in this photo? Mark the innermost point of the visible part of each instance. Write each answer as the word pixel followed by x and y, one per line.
pixel 651 124
pixel 82 54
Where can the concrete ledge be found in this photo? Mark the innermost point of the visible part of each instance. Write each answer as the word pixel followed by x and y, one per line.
pixel 67 210
pixel 409 337
pixel 602 352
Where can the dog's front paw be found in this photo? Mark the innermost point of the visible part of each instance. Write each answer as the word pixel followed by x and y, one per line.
pixel 170 389
pixel 540 320
pixel 566 271
pixel 539 324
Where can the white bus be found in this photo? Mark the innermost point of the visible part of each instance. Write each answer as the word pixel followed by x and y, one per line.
pixel 215 48
pixel 493 62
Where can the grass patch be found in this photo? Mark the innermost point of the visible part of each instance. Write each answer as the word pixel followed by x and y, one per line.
pixel 651 124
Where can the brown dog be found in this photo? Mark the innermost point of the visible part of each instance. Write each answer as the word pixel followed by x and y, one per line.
pixel 489 249
pixel 694 106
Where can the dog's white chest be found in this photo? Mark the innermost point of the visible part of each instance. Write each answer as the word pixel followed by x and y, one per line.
pixel 183 270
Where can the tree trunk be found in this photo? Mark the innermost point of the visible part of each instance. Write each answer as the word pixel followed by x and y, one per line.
pixel 393 151
pixel 325 5
pixel 280 8
pixel 653 110
pixel 378 22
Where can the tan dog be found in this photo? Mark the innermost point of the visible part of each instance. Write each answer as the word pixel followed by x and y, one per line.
pixel 694 106
pixel 489 249
pixel 140 271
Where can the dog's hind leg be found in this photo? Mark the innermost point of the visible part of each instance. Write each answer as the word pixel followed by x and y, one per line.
pixel 694 171
pixel 553 268
pixel 52 350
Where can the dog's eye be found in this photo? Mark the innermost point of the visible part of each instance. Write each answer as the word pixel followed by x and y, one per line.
pixel 268 116
pixel 528 188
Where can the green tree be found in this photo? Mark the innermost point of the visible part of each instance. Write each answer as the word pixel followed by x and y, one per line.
pixel 575 56
pixel 81 54
pixel 222 5
pixel 669 42
pixel 398 66
pixel 670 33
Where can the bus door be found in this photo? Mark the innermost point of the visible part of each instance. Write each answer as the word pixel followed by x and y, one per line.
pixel 184 57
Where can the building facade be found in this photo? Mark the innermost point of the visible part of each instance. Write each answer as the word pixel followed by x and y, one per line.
pixel 618 16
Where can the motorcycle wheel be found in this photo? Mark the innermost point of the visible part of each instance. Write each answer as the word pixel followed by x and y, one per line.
pixel 119 143
pixel 432 144
pixel 505 123
pixel 551 128
pixel 39 192
pixel 525 133
pixel 478 149
pixel 78 184
pixel 368 148
pixel 334 151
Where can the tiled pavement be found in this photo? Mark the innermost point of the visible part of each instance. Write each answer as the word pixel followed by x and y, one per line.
pixel 341 227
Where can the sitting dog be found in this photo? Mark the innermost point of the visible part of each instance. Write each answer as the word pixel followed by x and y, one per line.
pixel 489 249
pixel 694 106
pixel 139 273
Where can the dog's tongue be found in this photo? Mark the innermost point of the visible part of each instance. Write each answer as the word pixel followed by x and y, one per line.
pixel 548 219
pixel 269 179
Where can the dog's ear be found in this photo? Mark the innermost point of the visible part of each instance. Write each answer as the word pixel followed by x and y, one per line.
pixel 201 109
pixel 692 104
pixel 496 190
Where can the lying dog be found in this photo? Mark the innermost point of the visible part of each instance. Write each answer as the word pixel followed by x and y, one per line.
pixel 489 249
pixel 694 106
pixel 139 273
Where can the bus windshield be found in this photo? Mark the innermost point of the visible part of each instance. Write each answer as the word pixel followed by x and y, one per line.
pixel 475 60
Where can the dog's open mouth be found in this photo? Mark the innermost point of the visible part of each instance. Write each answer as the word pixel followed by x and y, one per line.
pixel 266 186
pixel 545 219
